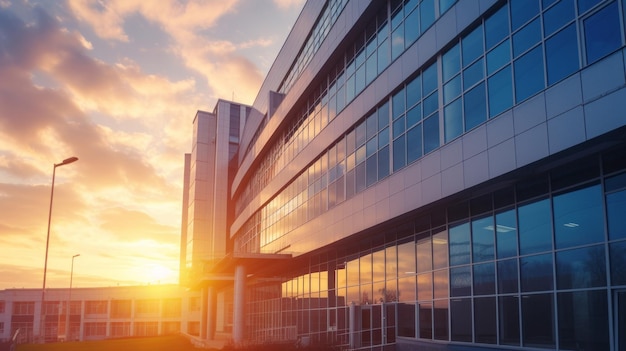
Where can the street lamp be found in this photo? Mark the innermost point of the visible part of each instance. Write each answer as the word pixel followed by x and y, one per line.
pixel 68 334
pixel 45 267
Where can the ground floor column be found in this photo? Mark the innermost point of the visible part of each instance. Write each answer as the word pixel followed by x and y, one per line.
pixel 204 308
pixel 238 304
pixel 211 313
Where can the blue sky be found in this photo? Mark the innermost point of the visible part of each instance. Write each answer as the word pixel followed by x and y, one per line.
pixel 115 83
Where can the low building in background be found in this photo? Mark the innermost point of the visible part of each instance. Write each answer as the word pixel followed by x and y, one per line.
pixel 99 313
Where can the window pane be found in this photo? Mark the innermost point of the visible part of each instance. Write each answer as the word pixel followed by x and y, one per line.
pixel 522 11
pixel 484 279
pixel 472 46
pixel 602 33
pixel 509 320
pixel 485 326
pixel 482 239
pixel 475 106
pixel 412 27
pixel 414 91
pixel 398 127
pixel 538 320
pixel 507 276
pixel 453 120
pixel 527 37
pixel 581 268
pixel 423 251
pixel 425 286
pixel 383 138
pixel 452 89
pixel 578 217
pixel 429 76
pixel 497 27
pixel 399 158
pixel 529 74
pixel 440 250
pixel 583 320
pixel 431 133
pixel 414 115
pixel 557 16
pixel 441 319
pixel 498 57
pixel 618 263
pixel 500 92
pixel 414 144
pixel 383 55
pixel 397 42
pixel 506 234
pixel 460 281
pixel 584 5
pixel 616 207
pixel 431 103
pixel 426 320
pixel 383 116
pixel 372 170
pixel 562 54
pixel 441 284
pixel 406 319
pixel 460 244
pixel 536 272
pixel 451 63
pixel 427 12
pixel 383 162
pixel 398 106
pixel 461 320
pixel 535 234
pixel 473 74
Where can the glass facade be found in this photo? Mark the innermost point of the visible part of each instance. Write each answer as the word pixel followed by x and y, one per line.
pixel 530 265
pixel 517 50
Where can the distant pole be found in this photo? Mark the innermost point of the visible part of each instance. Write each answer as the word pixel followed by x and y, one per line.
pixel 45 266
pixel 68 333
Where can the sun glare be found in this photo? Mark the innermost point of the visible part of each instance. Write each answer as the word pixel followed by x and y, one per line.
pixel 158 274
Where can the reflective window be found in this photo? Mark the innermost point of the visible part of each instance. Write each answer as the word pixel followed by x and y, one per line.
pixel 507 276
pixel 485 325
pixel 498 57
pixel 484 279
pixel 535 232
pixel 508 311
pixel 557 16
pixel 461 281
pixel 453 120
pixel 425 286
pixel 536 272
pixel 529 74
pixel 581 268
pixel 583 320
pixel 472 46
pixel 461 320
pixel 425 320
pixel 615 208
pixel 578 217
pixel 441 319
pixel 500 87
pixel 497 27
pixel 602 33
pixel 424 254
pixel 527 37
pixel 460 244
pixel 562 54
pixel 618 263
pixel 506 234
pixel 440 250
pixel 482 239
pixel 538 320
pixel 475 105
pixel 440 284
pixel 522 11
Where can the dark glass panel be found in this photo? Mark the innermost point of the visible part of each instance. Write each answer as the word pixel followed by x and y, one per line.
pixel 506 234
pixel 414 143
pixel 458 211
pixel 475 103
pixel 557 16
pixel 531 188
pixel 431 133
pixel 472 46
pixel 535 229
pixel 429 77
pixel 383 138
pixel 399 153
pixel 451 63
pixel 500 87
pixel 522 11
pixel 440 250
pixel 583 320
pixel 485 325
pixel 536 272
pixel 574 173
pixel 440 284
pixel 441 319
pixel 584 5
pixel 602 33
pixel 578 217
pixel 431 103
pixel 424 253
pixel 562 54
pixel 452 89
pixel 618 263
pixel 507 276
pixel 397 103
pixel 526 38
pixel 509 320
pixel 427 14
pixel 538 321
pixel 482 239
pixel 411 27
pixel 529 74
pixel 383 116
pixel 414 91
pixel 497 26
pixel 453 120
pixel 581 268
pixel 425 320
pixel 460 281
pixel 406 320
pixel 398 127
pixel 460 244
pixel 461 320
pixel 498 57
pixel 615 208
pixel 484 279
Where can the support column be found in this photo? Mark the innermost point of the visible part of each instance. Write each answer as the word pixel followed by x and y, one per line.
pixel 203 313
pixel 211 313
pixel 238 304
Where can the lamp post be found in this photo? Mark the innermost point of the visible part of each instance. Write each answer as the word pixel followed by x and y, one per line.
pixel 68 333
pixel 45 267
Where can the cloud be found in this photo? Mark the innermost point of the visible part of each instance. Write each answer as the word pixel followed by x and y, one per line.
pixel 285 4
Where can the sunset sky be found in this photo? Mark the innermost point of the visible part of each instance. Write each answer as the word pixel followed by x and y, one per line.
pixel 115 83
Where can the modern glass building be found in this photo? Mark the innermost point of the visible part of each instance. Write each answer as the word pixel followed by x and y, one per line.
pixel 435 174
